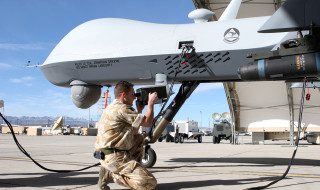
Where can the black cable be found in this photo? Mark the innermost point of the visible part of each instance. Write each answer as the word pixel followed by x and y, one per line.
pixel 34 161
pixel 296 142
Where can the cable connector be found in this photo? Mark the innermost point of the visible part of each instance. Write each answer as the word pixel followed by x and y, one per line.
pixel 188 51
pixel 308 95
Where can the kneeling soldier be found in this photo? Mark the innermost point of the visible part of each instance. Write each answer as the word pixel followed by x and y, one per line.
pixel 120 144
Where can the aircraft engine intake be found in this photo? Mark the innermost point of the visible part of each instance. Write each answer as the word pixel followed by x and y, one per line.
pixel 84 95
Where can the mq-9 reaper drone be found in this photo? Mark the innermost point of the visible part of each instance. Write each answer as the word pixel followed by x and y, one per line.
pixel 104 51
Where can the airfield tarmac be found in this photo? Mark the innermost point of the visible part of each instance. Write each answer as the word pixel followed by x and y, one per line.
pixel 190 165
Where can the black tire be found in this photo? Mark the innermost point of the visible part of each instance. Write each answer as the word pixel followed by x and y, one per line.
pixel 149 159
pixel 160 139
pixel 200 139
pixel 181 139
pixel 214 139
pixel 168 138
pixel 218 140
pixel 176 138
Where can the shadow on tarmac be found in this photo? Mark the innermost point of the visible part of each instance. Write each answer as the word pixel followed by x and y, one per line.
pixel 206 183
pixel 51 179
pixel 247 160
pixel 191 165
pixel 292 184
pixel 67 179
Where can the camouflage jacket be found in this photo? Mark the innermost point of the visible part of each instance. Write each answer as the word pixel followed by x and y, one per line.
pixel 115 127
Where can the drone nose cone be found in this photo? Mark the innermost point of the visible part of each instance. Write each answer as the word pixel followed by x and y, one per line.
pixel 57 73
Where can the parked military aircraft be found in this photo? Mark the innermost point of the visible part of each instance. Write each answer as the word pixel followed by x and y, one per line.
pixel 103 51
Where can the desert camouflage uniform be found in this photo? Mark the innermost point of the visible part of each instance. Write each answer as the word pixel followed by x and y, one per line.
pixel 115 130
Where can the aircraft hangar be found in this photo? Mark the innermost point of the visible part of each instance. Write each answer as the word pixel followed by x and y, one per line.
pixel 269 110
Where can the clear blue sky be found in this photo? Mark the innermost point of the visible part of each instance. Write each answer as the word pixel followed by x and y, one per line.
pixel 30 29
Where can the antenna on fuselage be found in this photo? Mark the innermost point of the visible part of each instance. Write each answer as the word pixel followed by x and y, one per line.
pixel 231 11
pixel 31 66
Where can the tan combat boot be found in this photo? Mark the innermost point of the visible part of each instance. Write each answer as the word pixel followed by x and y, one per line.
pixel 105 177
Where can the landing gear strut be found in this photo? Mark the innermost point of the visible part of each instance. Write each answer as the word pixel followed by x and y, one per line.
pixel 185 91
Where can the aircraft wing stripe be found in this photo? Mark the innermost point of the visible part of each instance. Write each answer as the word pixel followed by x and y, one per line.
pixel 318 61
pixel 261 69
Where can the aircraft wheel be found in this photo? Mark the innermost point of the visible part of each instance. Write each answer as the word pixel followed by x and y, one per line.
pixel 160 139
pixel 181 139
pixel 150 158
pixel 214 139
pixel 200 139
pixel 168 138
pixel 176 139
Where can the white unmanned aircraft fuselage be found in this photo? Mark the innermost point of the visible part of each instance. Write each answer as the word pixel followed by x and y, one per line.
pixel 103 51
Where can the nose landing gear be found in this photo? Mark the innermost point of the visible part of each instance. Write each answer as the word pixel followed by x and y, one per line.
pixel 186 89
pixel 149 158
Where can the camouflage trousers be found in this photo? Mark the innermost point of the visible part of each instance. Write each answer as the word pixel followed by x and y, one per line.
pixel 125 168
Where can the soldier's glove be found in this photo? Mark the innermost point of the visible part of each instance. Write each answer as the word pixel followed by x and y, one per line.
pixel 99 155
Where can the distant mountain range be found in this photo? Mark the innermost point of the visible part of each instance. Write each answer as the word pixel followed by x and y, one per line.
pixel 45 120
pixel 49 121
